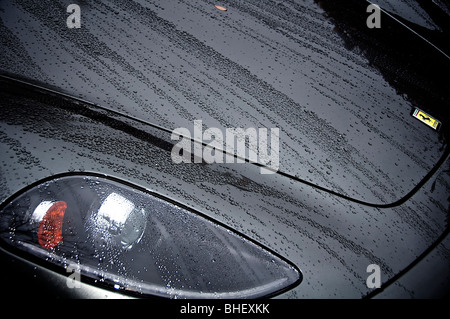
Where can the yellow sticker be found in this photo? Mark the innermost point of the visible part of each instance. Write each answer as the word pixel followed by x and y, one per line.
pixel 426 118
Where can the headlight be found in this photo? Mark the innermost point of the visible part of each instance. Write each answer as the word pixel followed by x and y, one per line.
pixel 137 241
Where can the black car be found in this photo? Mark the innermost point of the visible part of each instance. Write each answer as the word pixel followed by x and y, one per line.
pixel 231 149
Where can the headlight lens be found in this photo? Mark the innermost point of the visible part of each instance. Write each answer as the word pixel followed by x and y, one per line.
pixel 137 241
pixel 116 223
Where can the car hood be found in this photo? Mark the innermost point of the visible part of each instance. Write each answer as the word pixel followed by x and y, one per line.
pixel 344 113
pixel 332 240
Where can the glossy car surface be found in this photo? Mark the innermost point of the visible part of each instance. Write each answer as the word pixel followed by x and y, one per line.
pixel 360 181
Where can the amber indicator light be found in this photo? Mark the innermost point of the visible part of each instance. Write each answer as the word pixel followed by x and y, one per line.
pixel 50 228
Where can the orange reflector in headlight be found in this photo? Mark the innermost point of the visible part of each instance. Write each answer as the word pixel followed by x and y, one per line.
pixel 50 227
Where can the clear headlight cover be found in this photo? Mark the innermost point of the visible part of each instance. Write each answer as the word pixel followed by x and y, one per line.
pixel 134 240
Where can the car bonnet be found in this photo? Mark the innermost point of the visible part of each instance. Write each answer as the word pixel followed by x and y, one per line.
pixel 341 97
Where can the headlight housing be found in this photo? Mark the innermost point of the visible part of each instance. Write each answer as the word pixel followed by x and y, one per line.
pixel 137 241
